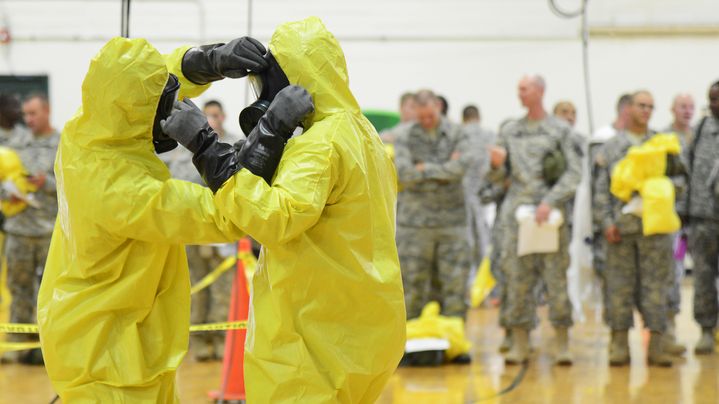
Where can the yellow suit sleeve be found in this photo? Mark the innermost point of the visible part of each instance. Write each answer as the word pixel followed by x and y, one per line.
pixel 172 211
pixel 188 89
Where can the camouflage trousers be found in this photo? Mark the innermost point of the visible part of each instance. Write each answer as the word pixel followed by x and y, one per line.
pixel 523 277
pixel 599 258
pixel 477 231
pixel 26 258
pixel 499 272
pixel 704 247
pixel 674 282
pixel 435 266
pixel 637 271
pixel 211 304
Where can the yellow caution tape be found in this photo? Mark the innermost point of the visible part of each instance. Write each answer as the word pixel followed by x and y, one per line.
pixel 32 328
pixel 214 275
pixel 249 262
pixel 233 325
pixel 18 346
pixel 16 328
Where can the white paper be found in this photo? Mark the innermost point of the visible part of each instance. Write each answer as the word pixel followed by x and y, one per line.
pixel 426 344
pixel 535 238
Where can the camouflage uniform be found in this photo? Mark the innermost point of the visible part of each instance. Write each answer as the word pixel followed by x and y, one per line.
pixel 638 267
pixel 494 193
pixel 527 143
pixel 28 232
pixel 211 304
pixel 703 210
pixel 389 135
pixel 8 136
pixel 676 276
pixel 599 243
pixel 431 219
pixel 479 234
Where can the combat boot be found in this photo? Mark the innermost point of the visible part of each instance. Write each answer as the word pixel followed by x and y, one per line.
pixel 619 348
pixel 656 354
pixel 520 347
pixel 507 341
pixel 670 339
pixel 562 340
pixel 705 345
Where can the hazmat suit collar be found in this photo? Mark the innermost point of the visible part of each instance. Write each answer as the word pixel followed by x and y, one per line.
pixel 311 57
pixel 120 94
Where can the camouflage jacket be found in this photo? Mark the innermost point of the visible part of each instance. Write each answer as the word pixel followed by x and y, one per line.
pixel 681 183
pixel 478 139
pixel 702 157
pixel 8 136
pixel 433 197
pixel 527 144
pixel 37 155
pixel 179 162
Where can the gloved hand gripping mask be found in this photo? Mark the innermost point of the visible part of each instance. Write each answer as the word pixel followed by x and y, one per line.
pixel 160 140
pixel 265 85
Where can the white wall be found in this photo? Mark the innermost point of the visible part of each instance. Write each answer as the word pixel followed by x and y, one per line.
pixel 470 51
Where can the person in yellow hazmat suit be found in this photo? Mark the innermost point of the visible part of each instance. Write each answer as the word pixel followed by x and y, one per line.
pixel 114 304
pixel 327 316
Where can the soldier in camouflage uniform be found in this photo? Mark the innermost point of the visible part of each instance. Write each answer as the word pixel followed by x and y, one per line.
pixel 29 232
pixel 479 140
pixel 637 266
pixel 494 193
pixel 703 211
pixel 431 219
pixel 211 304
pixel 683 111
pixel 520 156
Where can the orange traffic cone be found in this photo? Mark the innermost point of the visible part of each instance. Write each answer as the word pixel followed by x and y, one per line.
pixel 233 371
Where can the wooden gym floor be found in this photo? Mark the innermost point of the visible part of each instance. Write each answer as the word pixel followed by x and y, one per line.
pixel 691 380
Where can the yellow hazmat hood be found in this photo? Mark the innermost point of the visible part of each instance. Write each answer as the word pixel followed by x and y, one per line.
pixel 311 57
pixel 125 81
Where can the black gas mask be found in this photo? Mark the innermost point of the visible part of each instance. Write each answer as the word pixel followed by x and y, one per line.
pixel 160 140
pixel 265 85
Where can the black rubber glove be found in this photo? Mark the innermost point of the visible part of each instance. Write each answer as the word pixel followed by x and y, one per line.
pixel 215 161
pixel 260 153
pixel 263 149
pixel 208 63
pixel 187 125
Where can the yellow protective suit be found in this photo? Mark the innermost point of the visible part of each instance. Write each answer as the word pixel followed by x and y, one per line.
pixel 327 318
pixel 643 171
pixel 114 304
